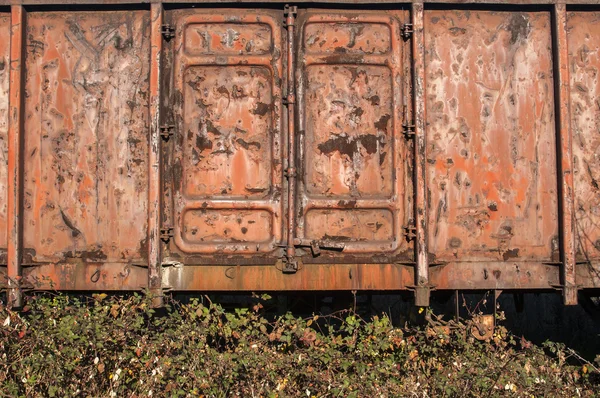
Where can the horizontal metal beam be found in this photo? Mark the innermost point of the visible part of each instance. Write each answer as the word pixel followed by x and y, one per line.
pixel 310 277
pixel 393 3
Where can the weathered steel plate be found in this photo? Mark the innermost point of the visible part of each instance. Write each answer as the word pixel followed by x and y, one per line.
pixel 227 155
pixel 491 136
pixel 4 82
pixel 584 60
pixel 353 185
pixel 86 141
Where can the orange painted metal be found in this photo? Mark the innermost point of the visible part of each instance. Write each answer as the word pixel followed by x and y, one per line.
pixel 565 169
pixel 86 117
pixel 354 179
pixel 491 136
pixel 584 60
pixel 291 264
pixel 227 158
pixel 154 156
pixel 15 154
pixel 422 284
pixel 428 148
pixel 4 117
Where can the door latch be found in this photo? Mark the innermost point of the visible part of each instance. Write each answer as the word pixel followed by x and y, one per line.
pixel 317 245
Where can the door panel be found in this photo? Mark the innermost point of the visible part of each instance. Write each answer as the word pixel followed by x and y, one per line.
pixel 584 55
pixel 86 121
pixel 491 139
pixel 227 154
pixel 354 184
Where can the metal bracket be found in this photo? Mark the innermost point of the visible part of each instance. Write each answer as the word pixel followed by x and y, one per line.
pixel 290 12
pixel 290 172
pixel 167 31
pixel 290 265
pixel 408 130
pixel 409 231
pixel 167 131
pixel 166 233
pixel 288 100
pixel 406 31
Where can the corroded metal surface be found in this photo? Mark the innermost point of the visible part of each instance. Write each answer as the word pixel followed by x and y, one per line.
pixel 86 117
pixel 477 195
pixel 339 3
pixel 4 86
pixel 227 167
pixel 584 60
pixel 154 156
pixel 15 158
pixel 323 277
pixel 422 284
pixel 491 136
pixel 565 153
pixel 354 158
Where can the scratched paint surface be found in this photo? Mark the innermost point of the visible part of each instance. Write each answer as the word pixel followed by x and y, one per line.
pixel 227 123
pixel 227 38
pixel 370 38
pixel 584 61
pixel 4 80
pixel 491 136
pixel 86 146
pixel 348 129
pixel 354 155
pixel 228 149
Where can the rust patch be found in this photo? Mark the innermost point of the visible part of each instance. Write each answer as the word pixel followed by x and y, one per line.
pixel 510 254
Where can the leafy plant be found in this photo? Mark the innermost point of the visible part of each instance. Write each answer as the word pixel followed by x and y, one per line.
pixel 109 346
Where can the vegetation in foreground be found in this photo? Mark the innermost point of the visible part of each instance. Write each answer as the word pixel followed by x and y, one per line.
pixel 120 347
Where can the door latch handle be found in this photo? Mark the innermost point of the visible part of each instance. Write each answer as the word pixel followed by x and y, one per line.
pixel 317 245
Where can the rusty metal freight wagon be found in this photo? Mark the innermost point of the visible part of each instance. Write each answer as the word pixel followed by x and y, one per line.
pixel 210 146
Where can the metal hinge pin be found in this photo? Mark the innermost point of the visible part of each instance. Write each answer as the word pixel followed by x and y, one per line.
pixel 410 232
pixel 290 12
pixel 166 233
pixel 408 130
pixel 166 131
pixel 406 31
pixel 168 31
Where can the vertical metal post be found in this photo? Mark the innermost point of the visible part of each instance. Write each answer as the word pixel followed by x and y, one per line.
pixel 15 163
pixel 154 163
pixel 565 150
pixel 422 287
pixel 290 20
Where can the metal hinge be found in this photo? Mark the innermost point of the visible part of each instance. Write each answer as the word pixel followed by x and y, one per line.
pixel 166 131
pixel 290 172
pixel 408 130
pixel 166 233
pixel 168 31
pixel 410 231
pixel 406 31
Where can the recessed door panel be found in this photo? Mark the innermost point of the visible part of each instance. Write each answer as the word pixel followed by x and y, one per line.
pixel 354 183
pixel 227 153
